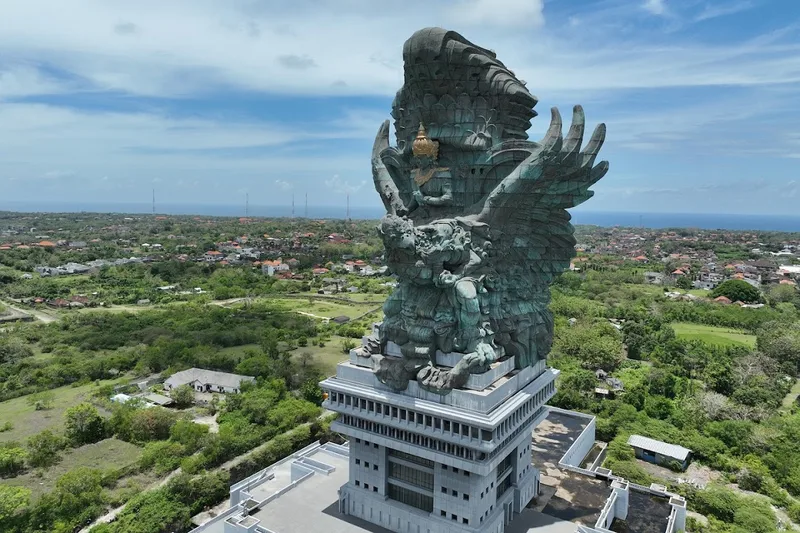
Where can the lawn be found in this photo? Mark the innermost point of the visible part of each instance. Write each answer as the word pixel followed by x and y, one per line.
pixel 238 351
pixel 713 334
pixel 28 421
pixel 328 356
pixel 325 309
pixel 104 455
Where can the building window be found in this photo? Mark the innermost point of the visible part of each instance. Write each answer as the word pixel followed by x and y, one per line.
pixel 466 473
pixel 444 467
pixel 455 470
pixel 453 517
pixel 412 458
pixel 374 489
pixel 455 493
pixel 466 496
pixel 358 441
pixel 443 512
pixel 366 464
pixel 444 490
pixel 465 521
pixel 412 476
pixel 409 497
pixel 374 467
pixel 358 461
pixel 374 445
pixel 366 486
pixel 358 483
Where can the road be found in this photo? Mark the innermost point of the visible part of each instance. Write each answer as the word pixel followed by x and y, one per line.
pixel 39 315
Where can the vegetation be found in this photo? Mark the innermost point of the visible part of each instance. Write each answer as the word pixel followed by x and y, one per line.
pixel 737 290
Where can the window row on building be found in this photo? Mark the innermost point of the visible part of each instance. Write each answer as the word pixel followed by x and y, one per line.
pixel 453 517
pixel 421 501
pixel 522 413
pixel 420 420
pixel 411 476
pixel 454 493
pixel 366 486
pixel 454 450
pixel 455 470
pixel 517 431
pixel 366 464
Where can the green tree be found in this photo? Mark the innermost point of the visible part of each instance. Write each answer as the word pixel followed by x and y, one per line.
pixel 41 401
pixel 189 434
pixel 12 501
pixel 12 459
pixel 737 291
pixel 43 448
pixel 684 283
pixel 183 395
pixel 84 425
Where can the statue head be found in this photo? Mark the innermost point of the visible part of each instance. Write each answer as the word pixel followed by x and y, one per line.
pixel 397 233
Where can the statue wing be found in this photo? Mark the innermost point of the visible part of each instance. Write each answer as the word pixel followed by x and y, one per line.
pixel 388 172
pixel 529 206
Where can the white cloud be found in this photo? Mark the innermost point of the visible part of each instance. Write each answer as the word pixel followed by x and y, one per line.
pixel 283 185
pixel 344 187
pixel 656 7
pixel 721 10
pixel 501 13
pixel 191 47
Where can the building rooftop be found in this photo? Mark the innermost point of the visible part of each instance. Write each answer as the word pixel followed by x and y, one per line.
pixel 300 493
pixel 207 377
pixel 662 448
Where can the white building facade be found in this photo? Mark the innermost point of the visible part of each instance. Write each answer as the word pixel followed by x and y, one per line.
pixel 428 463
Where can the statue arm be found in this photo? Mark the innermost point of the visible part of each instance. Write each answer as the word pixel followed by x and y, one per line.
pixel 446 197
pixel 385 182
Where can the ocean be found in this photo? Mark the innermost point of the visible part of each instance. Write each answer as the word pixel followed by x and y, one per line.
pixel 709 221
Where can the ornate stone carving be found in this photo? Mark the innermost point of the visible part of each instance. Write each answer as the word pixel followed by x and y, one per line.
pixel 476 225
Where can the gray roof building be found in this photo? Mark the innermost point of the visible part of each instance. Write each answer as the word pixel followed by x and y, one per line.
pixel 672 451
pixel 207 380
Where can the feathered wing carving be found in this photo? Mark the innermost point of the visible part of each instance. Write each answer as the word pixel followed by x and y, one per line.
pixel 529 205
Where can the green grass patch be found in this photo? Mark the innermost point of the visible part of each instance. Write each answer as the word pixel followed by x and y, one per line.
pixel 27 421
pixel 238 351
pixel 325 309
pixel 328 356
pixel 791 398
pixel 108 454
pixel 714 335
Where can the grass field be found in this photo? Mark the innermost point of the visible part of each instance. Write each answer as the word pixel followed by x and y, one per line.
pixel 28 421
pixel 325 309
pixel 328 356
pixel 714 335
pixel 103 455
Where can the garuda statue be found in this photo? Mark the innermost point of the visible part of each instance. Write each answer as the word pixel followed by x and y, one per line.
pixel 476 226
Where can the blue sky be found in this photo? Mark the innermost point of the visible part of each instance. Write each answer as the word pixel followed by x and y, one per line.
pixel 206 100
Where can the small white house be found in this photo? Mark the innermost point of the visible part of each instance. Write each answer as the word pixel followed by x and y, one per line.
pixel 207 380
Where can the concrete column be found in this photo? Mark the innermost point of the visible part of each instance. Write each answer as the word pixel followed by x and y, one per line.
pixel 678 504
pixel 622 490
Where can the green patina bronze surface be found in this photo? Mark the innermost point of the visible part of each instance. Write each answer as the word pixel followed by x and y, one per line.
pixel 476 225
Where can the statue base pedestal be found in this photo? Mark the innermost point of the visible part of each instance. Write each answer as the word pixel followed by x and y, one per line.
pixel 422 461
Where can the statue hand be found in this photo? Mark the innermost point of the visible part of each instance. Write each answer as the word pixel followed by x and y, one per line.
pixel 446 279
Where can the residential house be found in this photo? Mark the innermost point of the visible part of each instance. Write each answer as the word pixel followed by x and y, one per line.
pixel 208 380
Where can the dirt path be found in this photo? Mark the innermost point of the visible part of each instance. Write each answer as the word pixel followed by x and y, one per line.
pixel 39 315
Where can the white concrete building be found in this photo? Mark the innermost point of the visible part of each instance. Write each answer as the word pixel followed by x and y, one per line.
pixel 207 380
pixel 421 461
